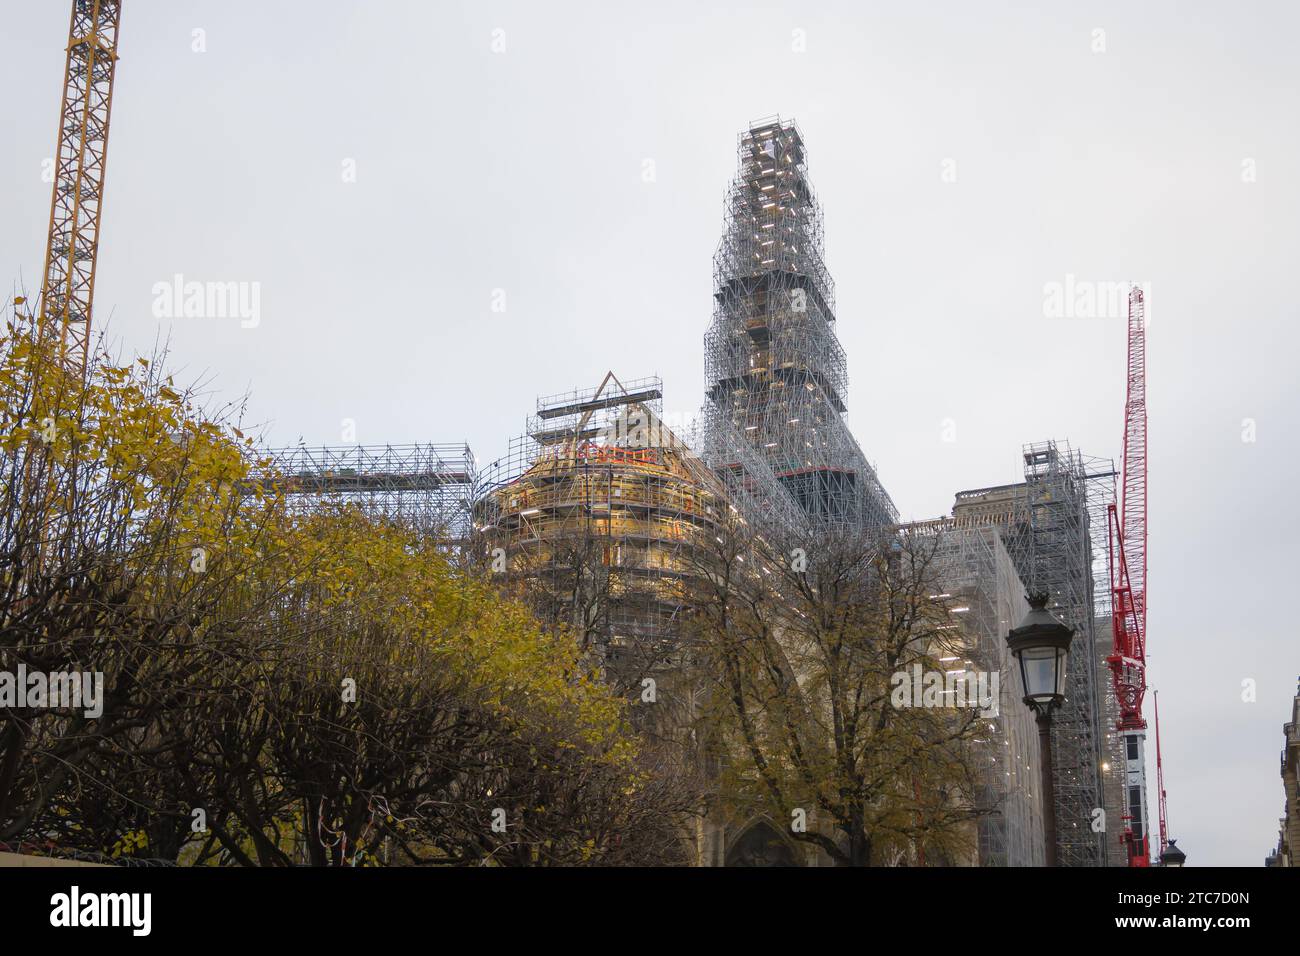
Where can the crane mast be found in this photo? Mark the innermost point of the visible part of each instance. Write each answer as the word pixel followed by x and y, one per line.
pixel 72 240
pixel 1127 532
pixel 1160 781
pixel 72 247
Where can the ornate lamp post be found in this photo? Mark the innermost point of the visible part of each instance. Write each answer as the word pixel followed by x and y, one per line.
pixel 1040 646
pixel 1173 856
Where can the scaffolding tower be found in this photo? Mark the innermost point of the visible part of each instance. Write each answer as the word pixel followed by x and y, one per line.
pixel 1047 523
pixel 424 486
pixel 776 374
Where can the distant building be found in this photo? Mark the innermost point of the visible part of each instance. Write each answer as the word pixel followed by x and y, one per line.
pixel 1288 840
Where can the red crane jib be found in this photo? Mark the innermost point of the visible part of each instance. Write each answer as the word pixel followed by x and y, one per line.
pixel 1128 537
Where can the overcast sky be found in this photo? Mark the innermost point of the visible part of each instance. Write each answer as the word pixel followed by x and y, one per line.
pixel 967 154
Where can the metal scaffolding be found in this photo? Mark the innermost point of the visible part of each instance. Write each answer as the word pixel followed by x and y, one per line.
pixel 979 579
pixel 772 425
pixel 1047 527
pixel 1099 487
pixel 428 487
pixel 596 513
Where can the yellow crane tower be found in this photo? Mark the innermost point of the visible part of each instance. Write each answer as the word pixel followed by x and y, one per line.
pixel 72 243
pixel 68 285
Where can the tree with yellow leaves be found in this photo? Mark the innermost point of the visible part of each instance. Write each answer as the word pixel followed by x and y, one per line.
pixel 277 688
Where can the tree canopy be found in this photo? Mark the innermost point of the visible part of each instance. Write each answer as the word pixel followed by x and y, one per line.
pixel 280 685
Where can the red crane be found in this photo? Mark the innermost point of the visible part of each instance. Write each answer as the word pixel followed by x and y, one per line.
pixel 1128 572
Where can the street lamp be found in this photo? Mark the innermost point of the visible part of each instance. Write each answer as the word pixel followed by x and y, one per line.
pixel 1173 856
pixel 1040 646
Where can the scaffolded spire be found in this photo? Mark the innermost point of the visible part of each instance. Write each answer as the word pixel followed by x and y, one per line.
pixel 772 425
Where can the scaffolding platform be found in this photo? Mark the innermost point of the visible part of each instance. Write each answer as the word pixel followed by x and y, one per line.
pixel 426 485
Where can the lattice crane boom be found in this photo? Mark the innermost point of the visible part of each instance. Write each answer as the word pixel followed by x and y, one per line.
pixel 72 247
pixel 1128 566
pixel 1133 502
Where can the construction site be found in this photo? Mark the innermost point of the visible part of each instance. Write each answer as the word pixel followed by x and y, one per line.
pixel 601 508
pixel 771 441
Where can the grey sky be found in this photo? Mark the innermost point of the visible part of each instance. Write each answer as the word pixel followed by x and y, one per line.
pixel 522 171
